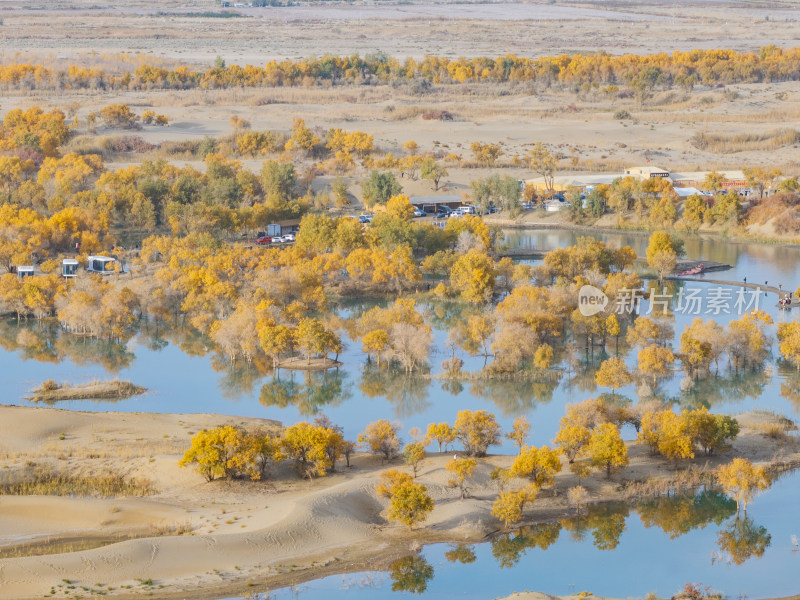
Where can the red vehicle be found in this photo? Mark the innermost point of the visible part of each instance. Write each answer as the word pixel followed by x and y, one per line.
pixel 264 240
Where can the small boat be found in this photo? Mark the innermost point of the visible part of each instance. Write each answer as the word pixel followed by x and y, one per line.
pixel 693 271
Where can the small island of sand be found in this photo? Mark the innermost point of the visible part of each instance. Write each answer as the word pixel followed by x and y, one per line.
pixel 50 391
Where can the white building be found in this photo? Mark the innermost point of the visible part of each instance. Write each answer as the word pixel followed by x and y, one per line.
pixel 100 264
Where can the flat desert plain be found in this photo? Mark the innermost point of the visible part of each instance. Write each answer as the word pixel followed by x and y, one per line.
pixel 578 125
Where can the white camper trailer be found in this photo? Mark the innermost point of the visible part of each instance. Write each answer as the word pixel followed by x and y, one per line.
pixel 69 267
pixel 100 264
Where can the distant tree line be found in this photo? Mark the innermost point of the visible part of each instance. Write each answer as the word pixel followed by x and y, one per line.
pixel 639 72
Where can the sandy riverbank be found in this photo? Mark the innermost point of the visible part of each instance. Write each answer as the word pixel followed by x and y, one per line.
pixel 241 536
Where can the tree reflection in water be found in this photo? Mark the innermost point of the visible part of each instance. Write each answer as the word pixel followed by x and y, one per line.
pixel 316 390
pixel 44 341
pixel 605 522
pixel 113 356
pixel 240 378
pixel 741 540
pixel 410 574
pixel 515 396
pixel 445 314
pixel 462 553
pixel 508 548
pixel 714 389
pixel 790 386
pixel 677 515
pixel 408 393
pixel 452 387
pixel 34 340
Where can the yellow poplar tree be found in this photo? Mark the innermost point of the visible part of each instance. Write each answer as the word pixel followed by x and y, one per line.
pixel 410 504
pixel 461 469
pixel 572 439
pixel 519 432
pixel 414 455
pixel 655 361
pixel 389 480
pixel 540 465
pixel 742 480
pixel 441 433
pixel 473 276
pixel 606 448
pixel 381 438
pixel 613 374
pixel 508 506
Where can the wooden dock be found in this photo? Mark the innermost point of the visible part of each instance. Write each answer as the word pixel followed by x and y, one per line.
pixel 767 289
pixel 684 265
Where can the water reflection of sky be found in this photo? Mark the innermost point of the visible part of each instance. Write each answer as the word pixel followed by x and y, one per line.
pixel 183 377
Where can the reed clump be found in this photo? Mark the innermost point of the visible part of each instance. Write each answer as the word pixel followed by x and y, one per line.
pixel 45 481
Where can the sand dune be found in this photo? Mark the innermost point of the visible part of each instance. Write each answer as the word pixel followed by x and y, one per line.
pixel 264 534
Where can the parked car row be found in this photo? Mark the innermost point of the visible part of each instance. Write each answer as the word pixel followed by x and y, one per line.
pixel 263 239
pixel 445 212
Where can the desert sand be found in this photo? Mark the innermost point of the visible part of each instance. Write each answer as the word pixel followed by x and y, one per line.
pixel 577 125
pixel 175 31
pixel 211 539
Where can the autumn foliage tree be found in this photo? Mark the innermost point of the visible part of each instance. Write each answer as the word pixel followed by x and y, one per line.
pixel 229 452
pixel 119 116
pixel 381 438
pixel 477 431
pixel 414 455
pixel 539 465
pixel 606 448
pixel 391 479
pixel 473 275
pixel 409 504
pixel 742 480
pixel 613 374
pixel 519 432
pixel 789 340
pixel 509 506
pixel 572 439
pixel 441 433
pixel 663 252
pixel 461 470
pixel 307 445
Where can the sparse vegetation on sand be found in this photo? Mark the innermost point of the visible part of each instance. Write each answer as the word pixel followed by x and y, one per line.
pixel 741 142
pixel 50 391
pixel 44 481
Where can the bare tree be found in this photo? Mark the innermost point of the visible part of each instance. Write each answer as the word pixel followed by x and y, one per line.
pixel 410 344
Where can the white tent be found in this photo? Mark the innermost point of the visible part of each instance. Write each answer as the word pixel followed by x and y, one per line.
pixel 685 192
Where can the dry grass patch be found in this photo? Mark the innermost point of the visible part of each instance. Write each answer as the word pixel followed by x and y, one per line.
pixel 742 142
pixel 683 481
pixel 43 481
